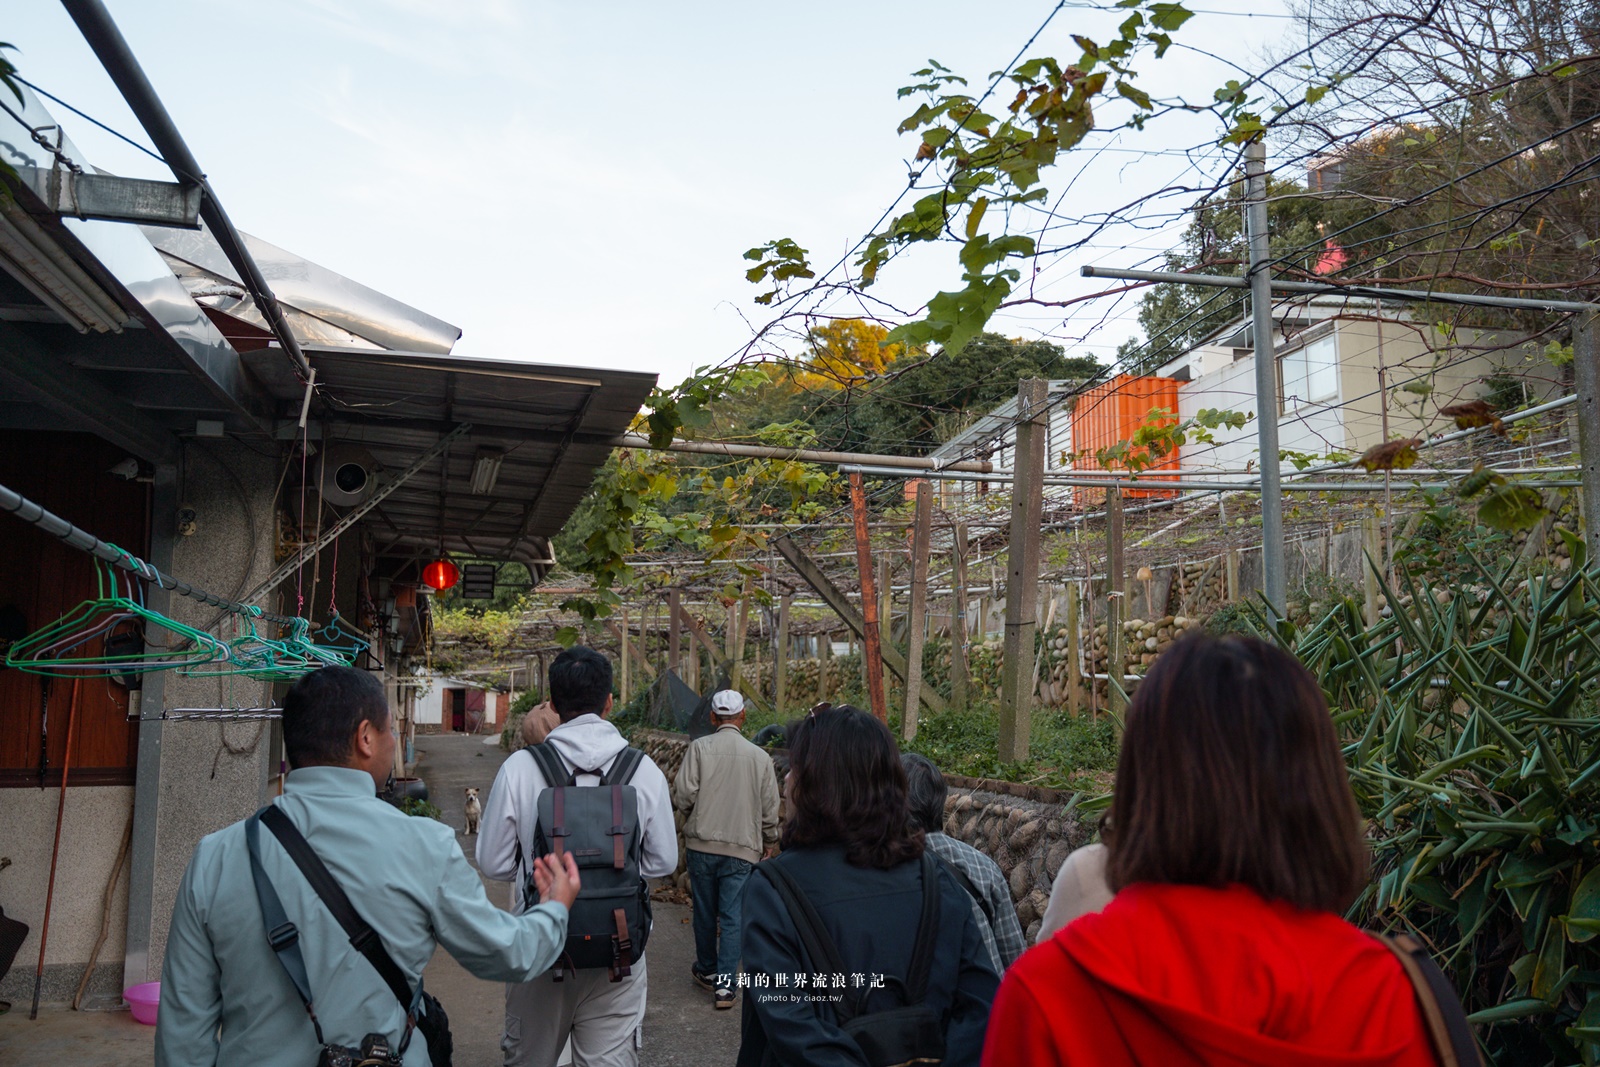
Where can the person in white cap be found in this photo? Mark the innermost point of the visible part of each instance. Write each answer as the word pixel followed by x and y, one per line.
pixel 728 792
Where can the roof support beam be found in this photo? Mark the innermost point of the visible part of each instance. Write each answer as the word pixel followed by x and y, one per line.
pixel 105 196
pixel 376 423
pixel 34 374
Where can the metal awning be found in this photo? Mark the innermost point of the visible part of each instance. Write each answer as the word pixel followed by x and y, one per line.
pixel 540 425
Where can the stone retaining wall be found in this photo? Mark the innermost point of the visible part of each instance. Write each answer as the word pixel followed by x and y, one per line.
pixel 1026 830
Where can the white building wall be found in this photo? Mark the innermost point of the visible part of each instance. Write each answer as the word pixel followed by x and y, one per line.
pixel 430 706
pixel 1233 388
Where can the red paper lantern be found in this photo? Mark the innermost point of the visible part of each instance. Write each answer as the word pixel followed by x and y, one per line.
pixel 441 574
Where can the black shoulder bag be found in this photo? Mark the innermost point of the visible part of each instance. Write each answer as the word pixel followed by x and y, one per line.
pixel 423 1011
pixel 910 1034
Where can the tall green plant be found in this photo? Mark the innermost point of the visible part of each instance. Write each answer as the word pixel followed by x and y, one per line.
pixel 1470 727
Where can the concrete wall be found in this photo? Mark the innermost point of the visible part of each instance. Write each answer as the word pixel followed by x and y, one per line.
pixel 91 836
pixel 211 774
pixel 1408 353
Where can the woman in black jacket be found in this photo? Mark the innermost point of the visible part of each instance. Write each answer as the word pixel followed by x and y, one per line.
pixel 846 994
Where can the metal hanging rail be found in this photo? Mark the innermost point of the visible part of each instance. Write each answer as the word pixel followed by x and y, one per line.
pixel 54 525
pixel 1127 482
pixel 1374 292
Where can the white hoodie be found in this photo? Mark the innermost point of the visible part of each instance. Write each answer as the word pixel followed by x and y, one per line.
pixel 512 810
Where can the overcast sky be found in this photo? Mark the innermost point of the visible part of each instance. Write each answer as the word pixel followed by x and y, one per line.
pixel 577 182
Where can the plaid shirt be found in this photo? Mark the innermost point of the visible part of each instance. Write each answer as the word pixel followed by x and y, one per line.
pixel 1002 936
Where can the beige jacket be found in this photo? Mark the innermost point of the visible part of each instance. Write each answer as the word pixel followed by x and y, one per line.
pixel 729 793
pixel 1080 888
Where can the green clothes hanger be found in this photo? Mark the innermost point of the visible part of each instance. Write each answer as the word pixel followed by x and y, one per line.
pixel 68 646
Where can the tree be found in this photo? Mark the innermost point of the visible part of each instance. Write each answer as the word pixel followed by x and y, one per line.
pixel 903 412
pixel 1461 150
pixel 844 351
pixel 1175 318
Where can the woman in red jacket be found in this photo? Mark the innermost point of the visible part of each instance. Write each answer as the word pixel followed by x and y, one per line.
pixel 1234 845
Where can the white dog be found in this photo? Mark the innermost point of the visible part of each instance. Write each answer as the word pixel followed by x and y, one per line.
pixel 474 811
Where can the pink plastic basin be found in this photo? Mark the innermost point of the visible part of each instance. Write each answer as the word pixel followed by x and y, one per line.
pixel 143 999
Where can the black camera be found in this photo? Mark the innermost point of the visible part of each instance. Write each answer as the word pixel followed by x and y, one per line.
pixel 374 1052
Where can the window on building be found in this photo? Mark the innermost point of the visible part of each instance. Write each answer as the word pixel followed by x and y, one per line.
pixel 1310 374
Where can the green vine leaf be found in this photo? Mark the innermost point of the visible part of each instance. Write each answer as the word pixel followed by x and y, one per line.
pixel 1512 508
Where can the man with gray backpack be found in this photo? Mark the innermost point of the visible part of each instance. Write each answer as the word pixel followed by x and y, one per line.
pixel 582 793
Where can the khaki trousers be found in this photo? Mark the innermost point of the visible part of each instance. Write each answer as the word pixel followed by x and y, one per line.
pixel 605 1019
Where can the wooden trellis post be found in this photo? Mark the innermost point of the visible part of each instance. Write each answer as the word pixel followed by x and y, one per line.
pixel 872 662
pixel 674 639
pixel 1115 609
pixel 1022 572
pixel 780 659
pixel 920 539
pixel 959 681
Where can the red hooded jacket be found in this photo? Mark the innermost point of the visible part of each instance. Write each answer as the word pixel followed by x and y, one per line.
pixel 1182 976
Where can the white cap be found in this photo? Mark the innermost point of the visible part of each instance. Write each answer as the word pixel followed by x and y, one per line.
pixel 726 703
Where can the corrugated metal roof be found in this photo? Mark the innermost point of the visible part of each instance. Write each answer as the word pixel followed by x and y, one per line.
pixel 548 423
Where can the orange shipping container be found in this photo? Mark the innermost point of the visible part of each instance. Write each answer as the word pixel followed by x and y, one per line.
pixel 1111 413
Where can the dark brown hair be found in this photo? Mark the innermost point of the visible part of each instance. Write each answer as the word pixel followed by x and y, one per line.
pixel 849 789
pixel 1230 772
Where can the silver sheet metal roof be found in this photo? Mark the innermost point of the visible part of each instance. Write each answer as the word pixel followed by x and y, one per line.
pixel 151 366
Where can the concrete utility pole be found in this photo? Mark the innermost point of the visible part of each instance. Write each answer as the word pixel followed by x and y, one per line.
pixel 1586 377
pixel 921 534
pixel 1022 571
pixel 1274 575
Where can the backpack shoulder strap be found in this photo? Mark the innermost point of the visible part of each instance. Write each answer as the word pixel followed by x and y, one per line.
pixel 819 949
pixel 623 767
pixel 966 883
pixel 363 938
pixel 550 764
pixel 927 934
pixel 282 934
pixel 1448 1027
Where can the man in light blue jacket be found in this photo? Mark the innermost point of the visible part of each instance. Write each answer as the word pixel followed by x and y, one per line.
pixel 226 999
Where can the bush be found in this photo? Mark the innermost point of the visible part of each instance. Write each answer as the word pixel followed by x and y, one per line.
pixel 1064 752
pixel 1470 728
pixel 419 807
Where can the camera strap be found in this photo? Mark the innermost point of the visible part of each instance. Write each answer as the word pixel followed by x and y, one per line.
pixel 282 934
pixel 363 938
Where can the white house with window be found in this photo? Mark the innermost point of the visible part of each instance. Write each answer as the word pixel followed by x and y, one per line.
pixel 1350 375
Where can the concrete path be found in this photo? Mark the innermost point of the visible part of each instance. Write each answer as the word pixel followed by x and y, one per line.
pixel 681 1028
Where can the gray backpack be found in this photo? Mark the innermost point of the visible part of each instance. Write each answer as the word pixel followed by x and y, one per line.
pixel 599 826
